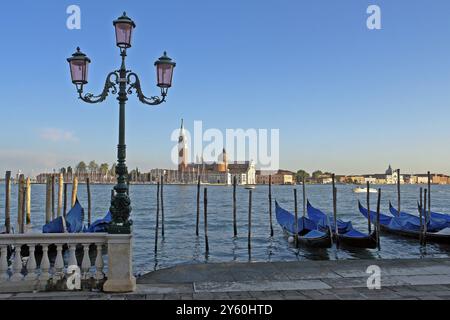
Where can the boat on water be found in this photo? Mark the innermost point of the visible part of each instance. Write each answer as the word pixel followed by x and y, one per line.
pixel 436 215
pixel 72 223
pixel 364 190
pixel 250 187
pixel 346 235
pixel 407 225
pixel 433 224
pixel 308 233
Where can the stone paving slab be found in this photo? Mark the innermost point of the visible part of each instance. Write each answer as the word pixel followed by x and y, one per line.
pixel 263 285
pixel 424 279
pixel 164 288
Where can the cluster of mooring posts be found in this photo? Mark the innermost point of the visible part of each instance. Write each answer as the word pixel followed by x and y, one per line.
pixel 425 210
pixel 424 204
pixel 38 261
pixel 55 200
pixel 52 212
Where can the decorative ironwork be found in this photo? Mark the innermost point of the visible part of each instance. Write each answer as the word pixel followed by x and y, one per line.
pixel 136 86
pixel 110 87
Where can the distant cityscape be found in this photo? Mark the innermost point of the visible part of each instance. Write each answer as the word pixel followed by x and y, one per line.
pixel 223 172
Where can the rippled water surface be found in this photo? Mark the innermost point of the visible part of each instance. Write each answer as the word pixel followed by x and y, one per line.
pixel 180 245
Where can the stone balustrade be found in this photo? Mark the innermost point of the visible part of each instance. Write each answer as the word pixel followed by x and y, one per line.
pixel 30 262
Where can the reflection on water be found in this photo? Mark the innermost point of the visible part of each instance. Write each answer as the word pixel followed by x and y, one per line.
pixel 181 246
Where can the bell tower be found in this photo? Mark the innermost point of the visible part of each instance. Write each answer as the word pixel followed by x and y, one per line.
pixel 223 162
pixel 182 150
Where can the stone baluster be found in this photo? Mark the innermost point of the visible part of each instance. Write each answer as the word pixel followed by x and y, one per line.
pixel 86 263
pixel 45 264
pixel 4 263
pixel 72 255
pixel 17 265
pixel 99 275
pixel 31 264
pixel 59 263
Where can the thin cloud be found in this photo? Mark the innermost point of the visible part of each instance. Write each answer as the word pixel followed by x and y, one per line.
pixel 58 135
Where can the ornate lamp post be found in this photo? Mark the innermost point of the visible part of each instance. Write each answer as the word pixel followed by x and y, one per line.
pixel 127 83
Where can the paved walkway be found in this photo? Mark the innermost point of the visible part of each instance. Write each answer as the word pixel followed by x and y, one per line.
pixel 318 280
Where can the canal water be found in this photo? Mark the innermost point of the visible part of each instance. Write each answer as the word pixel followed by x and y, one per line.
pixel 181 246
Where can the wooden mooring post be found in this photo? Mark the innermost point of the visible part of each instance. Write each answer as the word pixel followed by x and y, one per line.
pixel 429 194
pixel 378 219
pixel 24 204
pixel 421 215
pixel 270 205
pixel 20 203
pixel 205 208
pixel 336 229
pixel 53 197
pixel 425 225
pixel 28 201
pixel 296 219
pixel 304 196
pixel 157 218
pixel 88 187
pixel 162 206
pixel 250 220
pixel 8 201
pixel 48 200
pixel 398 191
pixel 198 206
pixel 234 207
pixel 74 191
pixel 65 200
pixel 60 195
pixel 368 208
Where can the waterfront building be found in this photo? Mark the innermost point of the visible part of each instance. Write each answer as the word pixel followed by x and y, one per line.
pixel 217 172
pixel 356 179
pixel 280 177
pixel 324 179
pixel 244 171
pixel 370 179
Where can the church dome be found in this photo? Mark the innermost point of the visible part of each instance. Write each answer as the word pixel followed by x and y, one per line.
pixel 389 171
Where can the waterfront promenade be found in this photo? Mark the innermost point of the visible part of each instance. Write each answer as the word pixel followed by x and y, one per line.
pixel 418 279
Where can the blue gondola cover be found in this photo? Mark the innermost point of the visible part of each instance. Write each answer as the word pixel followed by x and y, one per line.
pixel 73 223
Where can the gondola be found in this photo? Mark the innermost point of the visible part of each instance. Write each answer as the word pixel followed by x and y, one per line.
pixel 71 223
pixel 346 236
pixel 436 215
pixel 406 226
pixel 308 233
pixel 433 224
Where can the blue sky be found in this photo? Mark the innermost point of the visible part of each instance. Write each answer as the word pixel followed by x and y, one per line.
pixel 345 98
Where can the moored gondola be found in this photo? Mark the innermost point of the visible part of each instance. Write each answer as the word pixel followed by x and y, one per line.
pixel 436 215
pixel 308 233
pixel 406 227
pixel 346 236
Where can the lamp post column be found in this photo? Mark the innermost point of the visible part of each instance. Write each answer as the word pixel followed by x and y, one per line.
pixel 121 204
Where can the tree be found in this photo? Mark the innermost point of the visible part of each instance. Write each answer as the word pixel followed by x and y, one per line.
pixel 300 175
pixel 104 168
pixel 316 174
pixel 81 168
pixel 69 173
pixel 112 171
pixel 93 167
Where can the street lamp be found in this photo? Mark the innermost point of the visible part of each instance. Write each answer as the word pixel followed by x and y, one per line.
pixel 122 82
